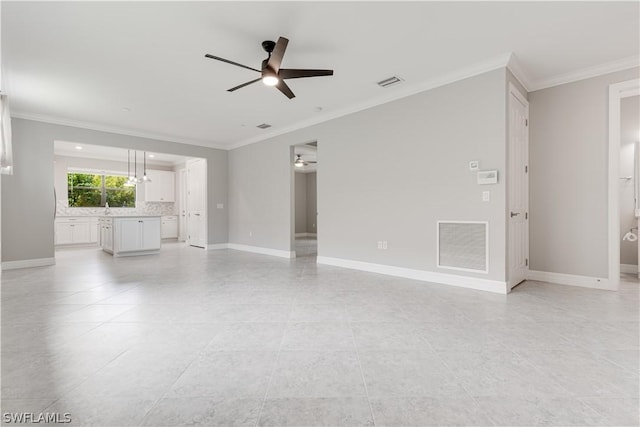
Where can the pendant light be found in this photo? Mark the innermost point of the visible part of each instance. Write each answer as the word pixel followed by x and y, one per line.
pixel 130 182
pixel 145 178
pixel 136 180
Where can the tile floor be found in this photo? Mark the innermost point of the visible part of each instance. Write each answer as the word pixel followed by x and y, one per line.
pixel 191 337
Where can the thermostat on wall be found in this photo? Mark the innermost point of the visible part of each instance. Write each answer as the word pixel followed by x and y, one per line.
pixel 487 177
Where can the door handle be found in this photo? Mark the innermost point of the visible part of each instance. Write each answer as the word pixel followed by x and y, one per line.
pixel 514 214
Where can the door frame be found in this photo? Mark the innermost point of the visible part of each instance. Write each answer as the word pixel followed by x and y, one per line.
pixel 513 90
pixel 617 91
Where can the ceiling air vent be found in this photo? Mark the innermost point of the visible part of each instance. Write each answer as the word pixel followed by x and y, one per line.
pixel 263 126
pixel 393 80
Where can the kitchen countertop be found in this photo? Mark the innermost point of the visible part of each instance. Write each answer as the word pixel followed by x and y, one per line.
pixel 129 216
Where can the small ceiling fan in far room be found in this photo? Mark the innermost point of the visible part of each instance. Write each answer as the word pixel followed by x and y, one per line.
pixel 270 73
pixel 300 163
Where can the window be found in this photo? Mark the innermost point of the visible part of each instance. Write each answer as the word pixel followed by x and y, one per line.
pixel 87 190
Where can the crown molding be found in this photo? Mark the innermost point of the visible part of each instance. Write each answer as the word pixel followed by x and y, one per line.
pixel 113 129
pixel 400 92
pixel 516 68
pixel 586 73
pixel 508 60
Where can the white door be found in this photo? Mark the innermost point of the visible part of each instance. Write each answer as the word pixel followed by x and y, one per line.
pixel 182 205
pixel 197 202
pixel 518 187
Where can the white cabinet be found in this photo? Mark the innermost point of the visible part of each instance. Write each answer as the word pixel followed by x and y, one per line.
pixel 169 227
pixel 162 186
pixel 106 234
pixel 123 236
pixel 76 230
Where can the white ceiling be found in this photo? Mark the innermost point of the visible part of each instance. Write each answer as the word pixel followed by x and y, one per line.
pixel 84 62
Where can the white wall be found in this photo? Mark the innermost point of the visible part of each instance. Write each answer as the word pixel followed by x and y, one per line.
pixel 387 173
pixel 629 135
pixel 568 176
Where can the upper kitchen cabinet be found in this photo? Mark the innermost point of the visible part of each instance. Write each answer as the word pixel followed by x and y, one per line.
pixel 162 186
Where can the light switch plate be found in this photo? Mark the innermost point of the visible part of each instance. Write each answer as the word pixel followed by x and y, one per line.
pixel 220 206
pixel 486 196
pixel 473 165
pixel 487 177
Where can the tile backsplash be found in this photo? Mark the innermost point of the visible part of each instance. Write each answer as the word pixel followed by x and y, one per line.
pixel 142 208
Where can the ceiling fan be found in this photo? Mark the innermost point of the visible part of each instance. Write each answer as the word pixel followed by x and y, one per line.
pixel 270 73
pixel 300 163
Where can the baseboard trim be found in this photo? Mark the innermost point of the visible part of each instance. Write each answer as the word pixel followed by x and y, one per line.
pixel 260 250
pixel 572 280
pixel 628 268
pixel 217 246
pixel 494 286
pixel 28 263
pixel 306 235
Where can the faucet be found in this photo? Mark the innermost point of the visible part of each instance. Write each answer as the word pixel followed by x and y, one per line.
pixel 107 211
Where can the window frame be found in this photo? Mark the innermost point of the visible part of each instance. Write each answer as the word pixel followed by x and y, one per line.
pixel 102 188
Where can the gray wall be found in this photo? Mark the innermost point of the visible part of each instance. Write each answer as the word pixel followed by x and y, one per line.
pixel 568 176
pixel 27 195
pixel 392 171
pixel 306 202
pixel 301 202
pixel 629 135
pixel 312 202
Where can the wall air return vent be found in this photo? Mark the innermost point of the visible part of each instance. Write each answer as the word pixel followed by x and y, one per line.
pixel 463 245
pixel 263 126
pixel 391 81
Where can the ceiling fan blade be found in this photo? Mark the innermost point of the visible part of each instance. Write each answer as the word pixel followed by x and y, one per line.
pixel 230 62
pixel 282 87
pixel 290 73
pixel 278 52
pixel 244 84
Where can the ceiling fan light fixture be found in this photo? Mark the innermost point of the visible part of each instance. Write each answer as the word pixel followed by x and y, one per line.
pixel 270 80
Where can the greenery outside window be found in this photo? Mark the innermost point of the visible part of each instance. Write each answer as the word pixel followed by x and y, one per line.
pixel 87 190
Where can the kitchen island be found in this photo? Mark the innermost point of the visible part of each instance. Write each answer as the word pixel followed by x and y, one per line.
pixel 130 235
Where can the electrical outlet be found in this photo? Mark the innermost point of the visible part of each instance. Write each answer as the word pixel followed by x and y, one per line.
pixel 251 234
pixel 486 196
pixel 473 165
pixel 379 244
pixel 220 206
pixel 384 244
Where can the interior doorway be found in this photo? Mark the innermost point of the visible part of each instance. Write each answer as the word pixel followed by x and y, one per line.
pixel 629 203
pixel 617 92
pixel 305 203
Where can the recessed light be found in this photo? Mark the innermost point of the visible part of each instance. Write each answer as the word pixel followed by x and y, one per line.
pixel 78 147
pixel 151 156
pixel 126 109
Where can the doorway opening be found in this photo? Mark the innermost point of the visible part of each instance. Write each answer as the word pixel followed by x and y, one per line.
pixel 305 203
pixel 617 93
pixel 629 203
pixel 94 184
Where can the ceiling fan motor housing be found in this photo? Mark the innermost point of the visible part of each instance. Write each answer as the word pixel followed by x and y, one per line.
pixel 268 46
